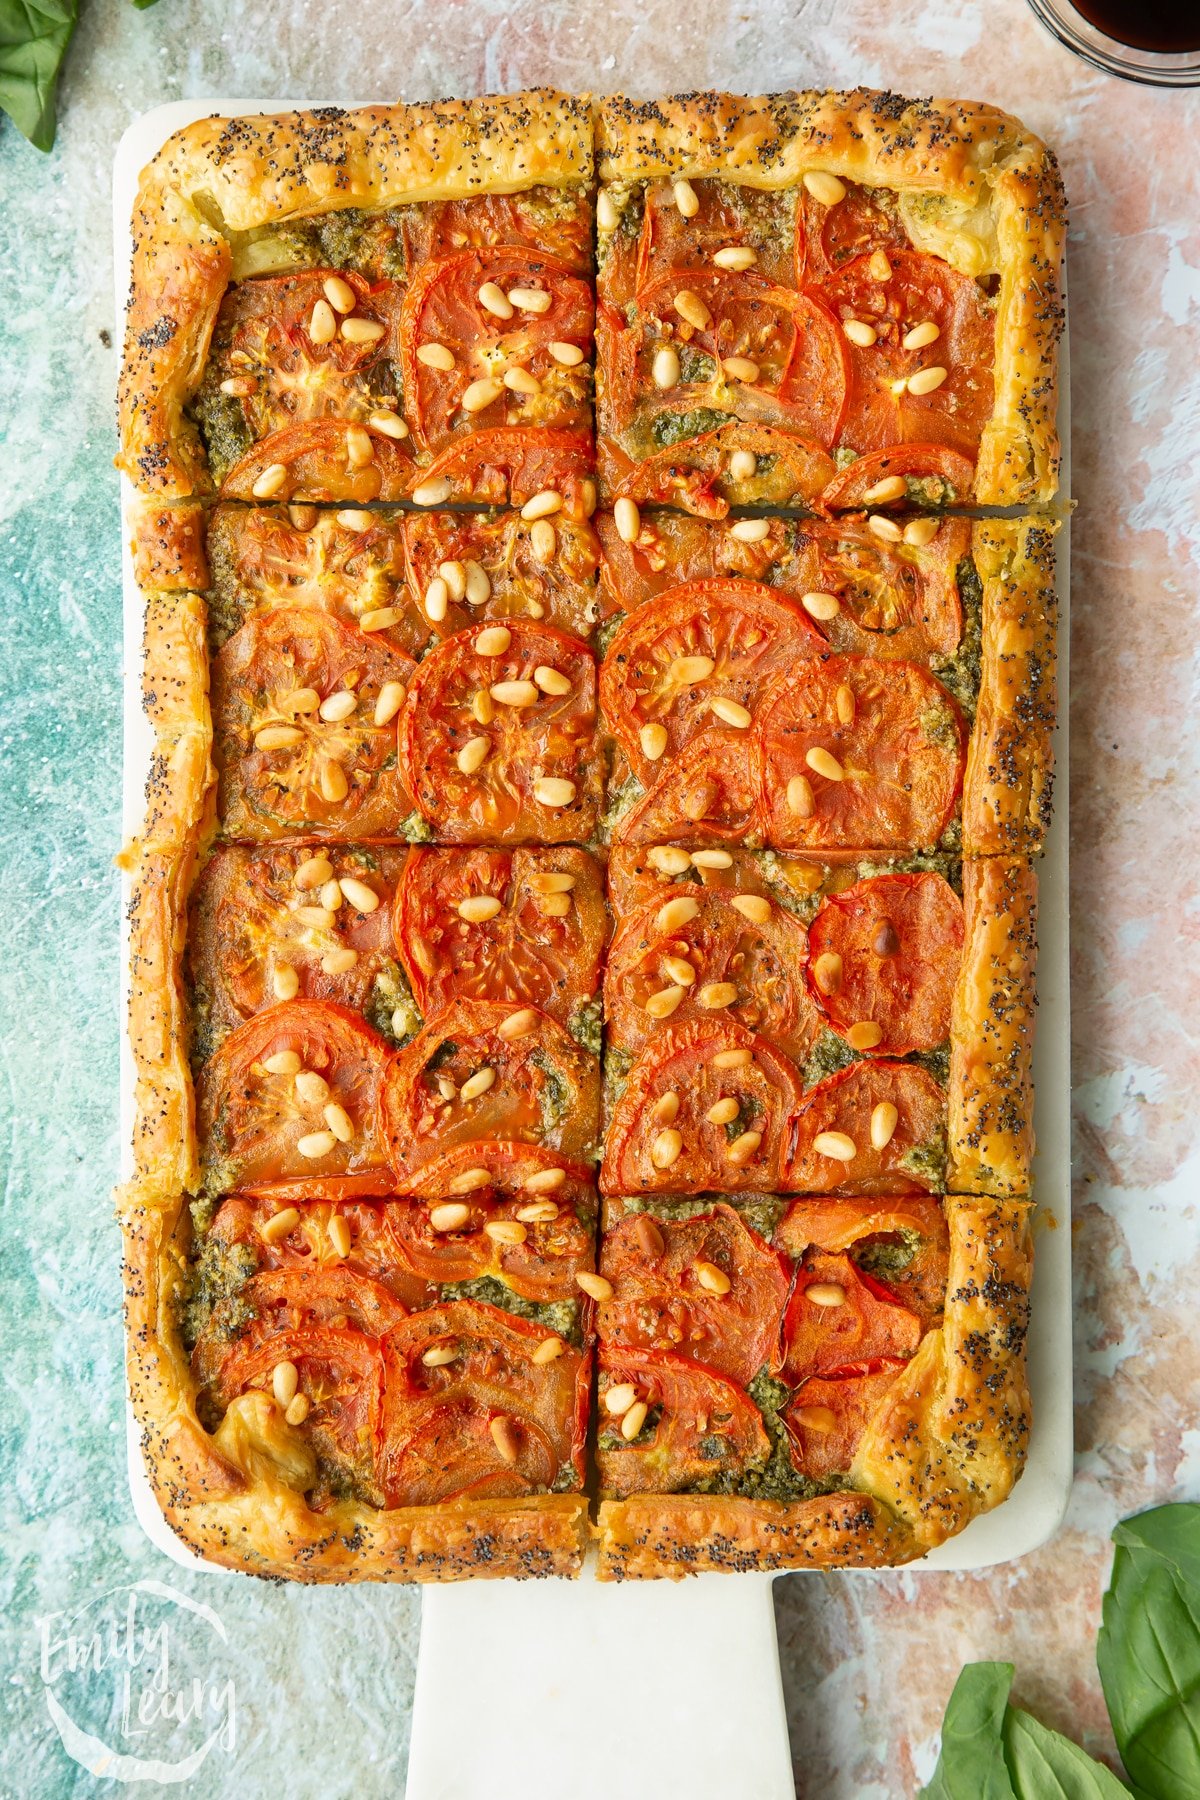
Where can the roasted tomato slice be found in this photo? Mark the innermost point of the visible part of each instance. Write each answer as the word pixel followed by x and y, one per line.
pixel 828 1414
pixel 697 1425
pixel 828 237
pixel 697 475
pixel 873 1128
pixel 540 945
pixel 902 1242
pixel 662 1137
pixel 860 754
pixel 893 599
pixel 262 917
pixel 537 1258
pixel 484 1420
pixel 285 768
pixel 349 563
pixel 673 549
pixel 309 1249
pixel 709 794
pixel 728 216
pixel 495 467
pixel 881 406
pixel 698 655
pixel 933 476
pixel 504 567
pixel 551 221
pixel 837 1315
pixel 457 352
pixel 294 1094
pixel 463 1080
pixel 323 460
pixel 665 1292
pixel 687 955
pixel 496 739
pixel 883 960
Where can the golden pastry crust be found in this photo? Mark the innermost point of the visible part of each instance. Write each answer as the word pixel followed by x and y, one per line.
pixel 169 548
pixel 675 1535
pixel 1010 757
pixel 973 186
pixel 990 1097
pixel 234 1496
pixel 252 171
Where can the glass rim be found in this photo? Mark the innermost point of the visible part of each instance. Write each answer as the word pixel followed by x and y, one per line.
pixel 1153 68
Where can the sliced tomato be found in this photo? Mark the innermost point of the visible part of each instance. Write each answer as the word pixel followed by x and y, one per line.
pixel 437 1441
pixel 828 1414
pixel 542 948
pixel 462 697
pixel 672 549
pixel 695 648
pixel 320 461
pixel 837 1316
pixel 690 1064
pixel 549 221
pixel 709 794
pixel 251 1122
pixel 442 309
pixel 560 592
pixel 895 737
pixel 728 215
pixel 331 779
pixel 250 919
pixel 881 408
pixel 656 962
pixel 828 237
pixel 935 476
pixel 659 1301
pixel 699 1425
pixel 261 556
pixel 339 1297
pixel 695 474
pixel 509 1168
pixel 512 465
pixel 897 940
pixel 541 1267
pixel 845 1103
pixel 894 600
pixel 545 1088
pixel 307 1251
pixel 904 1241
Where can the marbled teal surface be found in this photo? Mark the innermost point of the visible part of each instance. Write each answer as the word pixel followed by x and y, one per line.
pixel 323 1681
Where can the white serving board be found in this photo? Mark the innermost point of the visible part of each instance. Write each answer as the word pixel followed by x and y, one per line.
pixel 561 1653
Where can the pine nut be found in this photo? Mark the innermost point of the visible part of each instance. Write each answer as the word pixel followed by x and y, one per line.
pixel 665 368
pixel 331 895
pixel 285 982
pixel 825 1293
pixel 724 1112
pixel 493 299
pixel 800 800
pixel 388 425
pixel 311 1089
pixel 738 257
pixel 692 309
pixel 543 540
pixel 240 387
pixel 551 681
pixel 505 1438
pixel 743 1148
pixel 339 962
pixel 359 449
pixel 470 1181
pixel 380 618
pixel 270 481
pixel 303 517
pixel 548 1351
pixel 506 1231
pixel 391 699
pixel 554 906
pixel 361 331
pixel 362 898
pixel 668 859
pixel 480 394
pixel 473 755
pixel 716 994
pixel 827 972
pixel 733 1059
pixel 339 294
pixel 860 333
pixel 339 1234
pixel 885 529
pixel 865 1035
pixel 353 518
pixel 315 1144
pixel 569 355
pixel 821 762
pixel 301 701
pixel 711 1277
pixel 284 1062
pixel 533 300
pixel 676 913
pixel 494 640
pixel 483 707
pixel 449 1215
pixel 298 1410
pixel 627 520
pixel 477 1084
pixel 633 1421
pixel 619 1398
pixel 662 1004
pixel 650 1239
pixel 518 1024
pixel 754 907
pixel 544 1181
pixel 926 380
pixel 438 1356
pixel 690 671
pixel 884 1119
pixel 433 493
pixel 514 693
pixel 665 1110
pixel 743 465
pixel 892 487
pixel 826 189
pixel 338 706
pixel 277 737
pixel 843 701
pixel 821 606
pixel 552 791
pixel 919 532
pixel 551 881
pixel 542 505
pixel 437 600
pixel 539 1212
pixel 686 199
pixel 318 918
pixel 835 1144
pixel 454 575
pixel 322 326
pixel 740 368
pixel 476 909
pixel 666 1149
pixel 678 970
pixel 435 356
pixel 313 872
pixel 518 380
pixel 750 531
pixel 731 712
pixel 921 336
pixel 279 1225
pixel 339 1122
pixel 879 266
pixel 594 1286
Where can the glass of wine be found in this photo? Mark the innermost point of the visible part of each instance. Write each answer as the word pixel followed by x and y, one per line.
pixel 1154 41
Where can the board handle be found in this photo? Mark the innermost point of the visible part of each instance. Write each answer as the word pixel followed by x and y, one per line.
pixel 586 1689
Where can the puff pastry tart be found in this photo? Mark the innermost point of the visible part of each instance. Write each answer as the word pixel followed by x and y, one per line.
pixel 582 931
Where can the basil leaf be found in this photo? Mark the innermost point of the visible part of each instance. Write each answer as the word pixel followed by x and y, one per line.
pixel 34 35
pixel 1148 1651
pixel 1046 1766
pixel 971 1765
